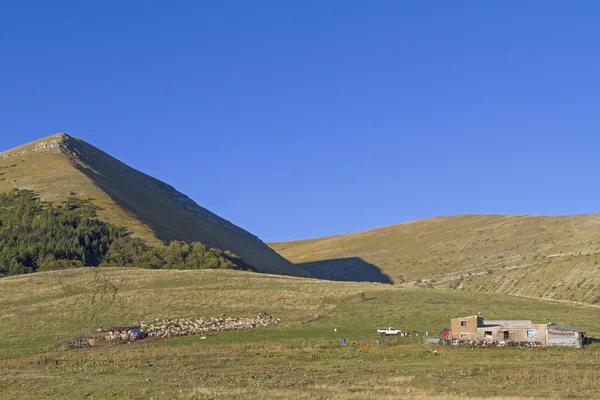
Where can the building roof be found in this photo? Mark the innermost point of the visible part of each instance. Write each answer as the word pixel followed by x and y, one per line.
pixel 566 328
pixel 508 323
pixel 470 316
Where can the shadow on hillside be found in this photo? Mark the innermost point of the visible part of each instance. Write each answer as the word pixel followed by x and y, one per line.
pixel 592 340
pixel 130 198
pixel 143 197
pixel 352 269
pixel 157 208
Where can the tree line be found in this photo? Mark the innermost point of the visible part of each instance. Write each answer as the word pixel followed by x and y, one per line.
pixel 41 236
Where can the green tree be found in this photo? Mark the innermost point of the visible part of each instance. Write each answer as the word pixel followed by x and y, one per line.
pixel 41 236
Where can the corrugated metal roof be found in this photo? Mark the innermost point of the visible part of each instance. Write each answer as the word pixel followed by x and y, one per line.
pixel 566 328
pixel 517 323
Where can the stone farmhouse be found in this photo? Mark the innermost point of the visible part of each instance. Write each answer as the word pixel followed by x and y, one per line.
pixel 477 329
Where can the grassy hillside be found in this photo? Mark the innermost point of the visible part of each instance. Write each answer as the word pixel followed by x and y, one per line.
pixel 60 165
pixel 300 358
pixel 547 257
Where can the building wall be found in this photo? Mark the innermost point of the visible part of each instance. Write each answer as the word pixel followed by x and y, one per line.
pixel 544 334
pixel 533 334
pixel 468 332
pixel 561 337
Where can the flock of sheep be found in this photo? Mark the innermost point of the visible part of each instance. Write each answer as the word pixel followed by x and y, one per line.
pixel 186 326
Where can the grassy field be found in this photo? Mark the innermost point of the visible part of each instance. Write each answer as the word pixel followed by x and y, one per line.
pixel 547 257
pixel 301 358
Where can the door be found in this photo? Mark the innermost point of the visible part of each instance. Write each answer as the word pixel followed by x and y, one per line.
pixel 506 335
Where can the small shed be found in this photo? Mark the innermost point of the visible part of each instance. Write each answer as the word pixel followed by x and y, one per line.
pixel 559 335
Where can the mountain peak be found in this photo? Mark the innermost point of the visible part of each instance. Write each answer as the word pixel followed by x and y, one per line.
pixel 54 143
pixel 61 136
pixel 60 165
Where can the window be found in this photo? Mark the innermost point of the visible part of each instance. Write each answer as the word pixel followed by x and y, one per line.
pixel 463 323
pixel 531 333
pixel 488 333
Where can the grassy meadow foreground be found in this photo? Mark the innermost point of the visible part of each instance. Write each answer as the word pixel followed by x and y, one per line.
pixel 300 358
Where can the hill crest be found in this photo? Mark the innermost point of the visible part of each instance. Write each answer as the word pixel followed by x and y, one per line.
pixel 548 257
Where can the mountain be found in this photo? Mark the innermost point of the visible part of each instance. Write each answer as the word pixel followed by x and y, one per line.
pixel 547 257
pixel 60 166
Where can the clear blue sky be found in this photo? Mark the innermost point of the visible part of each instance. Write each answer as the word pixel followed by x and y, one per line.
pixel 298 119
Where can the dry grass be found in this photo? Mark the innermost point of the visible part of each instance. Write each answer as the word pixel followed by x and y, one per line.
pixel 70 302
pixel 548 257
pixel 301 358
pixel 386 390
pixel 293 369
